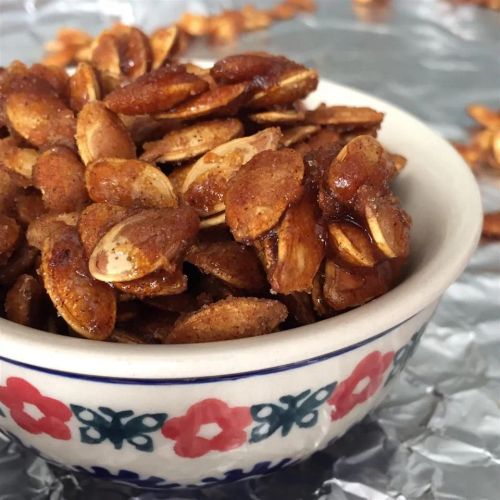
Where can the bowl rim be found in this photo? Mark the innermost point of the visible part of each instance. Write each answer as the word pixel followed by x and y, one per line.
pixel 65 355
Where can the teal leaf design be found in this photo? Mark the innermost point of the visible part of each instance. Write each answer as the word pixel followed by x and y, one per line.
pixel 404 354
pixel 118 427
pixel 300 410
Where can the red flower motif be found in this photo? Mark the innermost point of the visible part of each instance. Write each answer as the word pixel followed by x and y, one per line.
pixel 372 367
pixel 184 430
pixel 18 393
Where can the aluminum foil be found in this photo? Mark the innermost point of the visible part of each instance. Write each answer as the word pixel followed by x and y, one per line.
pixel 437 436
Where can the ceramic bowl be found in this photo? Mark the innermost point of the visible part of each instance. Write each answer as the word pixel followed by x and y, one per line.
pixel 164 416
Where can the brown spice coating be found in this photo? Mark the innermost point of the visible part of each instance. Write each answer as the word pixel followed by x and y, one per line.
pixel 352 244
pixel 267 250
pixel 84 87
pixel 361 162
pixel 261 191
pixel 153 326
pixel 18 162
pixel 317 163
pixel 156 284
pixel 206 194
pixel 344 116
pixel 194 140
pixel 143 243
pixel 29 206
pixel 59 175
pixel 299 305
pixel 143 128
pixel 346 287
pixel 232 263
pixel 21 261
pixel 207 181
pixel 389 226
pixel 139 241
pixel 55 76
pixel 232 318
pixel 292 85
pixel 47 225
pixel 40 118
pixel 101 134
pixel 319 303
pixel 301 248
pixel 162 43
pixel 261 69
pixel 294 135
pixel 180 303
pixel 96 220
pixel 10 234
pixel 155 92
pixel 87 305
pixel 136 54
pixel 224 100
pixel 9 189
pixel 105 58
pixel 178 176
pixel 350 134
pixel 129 183
pixel 120 336
pixel 281 117
pixel 24 301
pixel 325 138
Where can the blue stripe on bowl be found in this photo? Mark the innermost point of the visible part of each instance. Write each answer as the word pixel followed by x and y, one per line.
pixel 207 379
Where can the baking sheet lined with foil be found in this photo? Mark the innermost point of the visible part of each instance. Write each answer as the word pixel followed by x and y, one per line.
pixel 437 436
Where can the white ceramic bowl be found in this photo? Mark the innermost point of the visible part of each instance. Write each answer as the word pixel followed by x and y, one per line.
pixel 163 416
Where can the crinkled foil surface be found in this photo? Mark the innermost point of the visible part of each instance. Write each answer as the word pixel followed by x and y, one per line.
pixel 438 435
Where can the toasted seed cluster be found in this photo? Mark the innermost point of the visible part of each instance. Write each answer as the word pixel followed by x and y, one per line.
pixel 147 201
pixel 486 4
pixel 126 50
pixel 483 148
pixel 491 225
pixel 482 153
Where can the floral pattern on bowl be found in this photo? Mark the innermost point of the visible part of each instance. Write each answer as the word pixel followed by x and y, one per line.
pixel 34 410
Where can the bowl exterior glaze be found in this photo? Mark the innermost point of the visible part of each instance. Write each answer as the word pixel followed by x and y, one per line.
pixel 199 431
